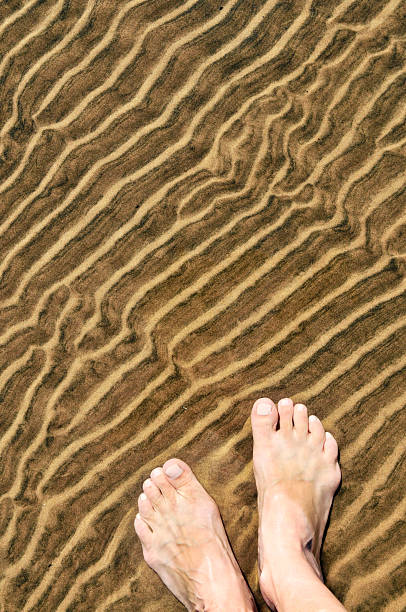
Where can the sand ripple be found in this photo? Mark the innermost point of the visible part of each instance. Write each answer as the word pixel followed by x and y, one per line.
pixel 201 203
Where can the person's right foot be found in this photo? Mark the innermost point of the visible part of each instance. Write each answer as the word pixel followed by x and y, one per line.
pixel 297 473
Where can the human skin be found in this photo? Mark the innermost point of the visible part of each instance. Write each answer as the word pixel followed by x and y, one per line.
pixel 296 473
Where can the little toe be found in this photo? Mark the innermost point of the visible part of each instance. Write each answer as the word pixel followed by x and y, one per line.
pixel 330 447
pixel 285 409
pixel 160 479
pixel 145 507
pixel 143 531
pixel 316 429
pixel 152 492
pixel 300 420
pixel 264 419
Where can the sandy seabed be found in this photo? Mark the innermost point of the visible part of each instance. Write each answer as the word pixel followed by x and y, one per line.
pixel 201 203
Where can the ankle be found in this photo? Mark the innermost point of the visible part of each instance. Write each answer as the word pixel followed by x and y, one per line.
pixel 237 597
pixel 282 568
pixel 231 603
pixel 296 525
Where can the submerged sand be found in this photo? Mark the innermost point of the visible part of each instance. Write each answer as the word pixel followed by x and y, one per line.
pixel 201 203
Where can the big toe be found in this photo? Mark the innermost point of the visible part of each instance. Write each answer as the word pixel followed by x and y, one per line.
pixel 179 473
pixel 264 418
pixel 330 447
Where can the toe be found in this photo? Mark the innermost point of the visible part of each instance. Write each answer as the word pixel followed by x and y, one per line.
pixel 179 473
pixel 300 420
pixel 152 492
pixel 162 482
pixel 264 418
pixel 145 507
pixel 143 531
pixel 317 434
pixel 330 447
pixel 285 409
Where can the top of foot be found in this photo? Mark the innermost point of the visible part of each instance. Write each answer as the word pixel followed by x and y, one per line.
pixel 184 541
pixel 296 472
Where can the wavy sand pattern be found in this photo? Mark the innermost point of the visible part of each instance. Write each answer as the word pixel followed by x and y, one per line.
pixel 201 202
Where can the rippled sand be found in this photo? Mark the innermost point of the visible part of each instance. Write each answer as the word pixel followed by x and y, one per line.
pixel 201 203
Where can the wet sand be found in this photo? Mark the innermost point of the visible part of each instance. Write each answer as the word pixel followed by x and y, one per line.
pixel 201 203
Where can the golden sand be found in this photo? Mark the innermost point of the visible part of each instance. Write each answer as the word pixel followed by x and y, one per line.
pixel 201 203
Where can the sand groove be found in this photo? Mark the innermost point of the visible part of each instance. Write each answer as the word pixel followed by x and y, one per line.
pixel 200 203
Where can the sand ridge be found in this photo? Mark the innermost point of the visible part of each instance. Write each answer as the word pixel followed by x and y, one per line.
pixel 201 203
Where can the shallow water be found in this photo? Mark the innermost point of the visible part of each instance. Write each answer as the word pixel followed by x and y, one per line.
pixel 201 203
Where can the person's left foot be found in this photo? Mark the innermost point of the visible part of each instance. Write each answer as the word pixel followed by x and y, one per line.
pixel 184 542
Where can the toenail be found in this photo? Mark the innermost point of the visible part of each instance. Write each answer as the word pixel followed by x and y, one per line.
pixel 173 471
pixel 313 417
pixel 156 472
pixel 138 516
pixel 148 482
pixel 263 408
pixel 300 406
pixel 285 401
pixel 143 496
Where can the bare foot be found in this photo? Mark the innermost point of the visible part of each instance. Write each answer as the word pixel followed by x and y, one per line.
pixel 297 473
pixel 184 542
